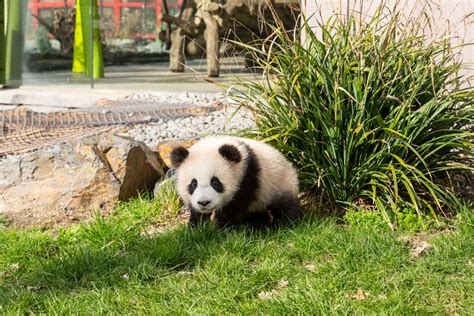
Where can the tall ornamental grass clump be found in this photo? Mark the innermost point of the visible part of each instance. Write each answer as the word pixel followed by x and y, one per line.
pixel 374 114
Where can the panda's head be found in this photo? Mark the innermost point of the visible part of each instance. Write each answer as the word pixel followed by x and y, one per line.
pixel 209 173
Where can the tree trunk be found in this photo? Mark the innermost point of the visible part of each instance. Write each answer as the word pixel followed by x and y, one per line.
pixel 211 34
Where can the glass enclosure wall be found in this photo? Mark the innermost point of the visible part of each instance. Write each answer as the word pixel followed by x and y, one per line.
pixel 129 37
pixel 123 43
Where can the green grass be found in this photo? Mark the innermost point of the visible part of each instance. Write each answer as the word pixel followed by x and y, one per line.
pixel 110 265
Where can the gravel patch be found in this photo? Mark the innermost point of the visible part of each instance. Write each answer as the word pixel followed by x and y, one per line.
pixel 229 120
pixel 182 98
pixel 226 121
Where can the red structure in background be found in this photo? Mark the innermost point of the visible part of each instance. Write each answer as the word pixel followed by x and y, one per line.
pixel 117 5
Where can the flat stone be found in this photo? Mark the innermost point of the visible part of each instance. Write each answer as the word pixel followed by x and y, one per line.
pixel 72 181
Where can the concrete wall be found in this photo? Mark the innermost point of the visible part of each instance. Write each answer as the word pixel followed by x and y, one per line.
pixel 455 17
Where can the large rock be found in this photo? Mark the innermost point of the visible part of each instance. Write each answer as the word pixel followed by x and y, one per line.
pixel 164 149
pixel 70 182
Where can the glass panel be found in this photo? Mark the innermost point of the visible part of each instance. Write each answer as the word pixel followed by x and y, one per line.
pixel 48 43
pixel 133 46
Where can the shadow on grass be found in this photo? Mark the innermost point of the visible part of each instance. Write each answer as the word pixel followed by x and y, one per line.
pixel 84 263
pixel 324 262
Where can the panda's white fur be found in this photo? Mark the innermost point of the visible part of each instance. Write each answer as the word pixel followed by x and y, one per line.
pixel 276 181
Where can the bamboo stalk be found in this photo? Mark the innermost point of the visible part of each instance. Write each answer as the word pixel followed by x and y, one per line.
pixel 2 43
pixel 14 42
pixel 98 61
pixel 91 50
pixel 79 60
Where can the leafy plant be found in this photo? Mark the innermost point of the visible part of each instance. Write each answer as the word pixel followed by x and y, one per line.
pixel 374 114
pixel 363 217
pixel 407 219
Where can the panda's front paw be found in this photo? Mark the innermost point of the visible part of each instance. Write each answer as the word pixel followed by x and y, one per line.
pixel 224 221
pixel 259 220
pixel 197 219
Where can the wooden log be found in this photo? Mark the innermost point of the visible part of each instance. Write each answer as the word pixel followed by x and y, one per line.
pixel 230 7
pixel 168 27
pixel 177 60
pixel 218 17
pixel 211 34
pixel 189 27
pixel 176 51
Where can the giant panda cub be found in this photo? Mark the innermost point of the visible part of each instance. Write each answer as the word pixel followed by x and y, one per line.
pixel 235 181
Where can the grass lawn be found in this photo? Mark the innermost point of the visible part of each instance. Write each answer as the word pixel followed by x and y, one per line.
pixel 318 266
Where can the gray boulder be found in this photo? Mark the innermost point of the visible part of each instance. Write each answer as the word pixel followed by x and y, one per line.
pixel 67 183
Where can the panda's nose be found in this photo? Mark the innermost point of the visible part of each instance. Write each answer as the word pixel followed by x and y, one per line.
pixel 204 203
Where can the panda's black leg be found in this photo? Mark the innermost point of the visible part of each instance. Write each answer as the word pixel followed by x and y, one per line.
pixel 258 220
pixel 228 218
pixel 286 208
pixel 197 218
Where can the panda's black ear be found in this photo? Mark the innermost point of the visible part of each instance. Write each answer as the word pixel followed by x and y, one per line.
pixel 178 155
pixel 230 153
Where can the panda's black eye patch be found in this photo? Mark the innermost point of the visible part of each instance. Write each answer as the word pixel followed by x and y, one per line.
pixel 192 186
pixel 217 185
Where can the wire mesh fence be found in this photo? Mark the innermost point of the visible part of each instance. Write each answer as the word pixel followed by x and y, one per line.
pixel 23 130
